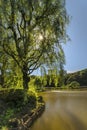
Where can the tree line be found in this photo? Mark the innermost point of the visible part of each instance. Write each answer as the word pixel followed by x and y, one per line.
pixel 79 76
pixel 61 80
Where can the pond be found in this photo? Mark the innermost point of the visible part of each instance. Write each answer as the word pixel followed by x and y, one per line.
pixel 65 110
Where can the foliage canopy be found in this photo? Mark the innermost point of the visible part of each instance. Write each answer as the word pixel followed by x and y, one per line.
pixel 33 33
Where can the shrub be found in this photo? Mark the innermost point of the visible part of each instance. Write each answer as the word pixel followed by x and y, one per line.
pixel 40 99
pixel 5 117
pixel 32 99
pixel 73 84
pixel 15 98
pixel 15 102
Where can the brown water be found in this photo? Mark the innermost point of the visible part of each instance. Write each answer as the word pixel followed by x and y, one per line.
pixel 65 110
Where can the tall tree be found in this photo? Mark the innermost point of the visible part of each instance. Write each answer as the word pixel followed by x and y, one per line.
pixel 33 32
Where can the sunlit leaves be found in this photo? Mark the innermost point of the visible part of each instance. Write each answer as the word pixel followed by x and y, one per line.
pixel 33 32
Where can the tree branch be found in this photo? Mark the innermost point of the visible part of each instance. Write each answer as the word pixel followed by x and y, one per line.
pixel 11 54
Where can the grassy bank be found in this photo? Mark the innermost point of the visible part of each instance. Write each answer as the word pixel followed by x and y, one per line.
pixel 16 107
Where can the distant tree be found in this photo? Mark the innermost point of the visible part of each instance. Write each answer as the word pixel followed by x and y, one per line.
pixel 62 72
pixel 33 32
pixel 79 76
pixel 38 83
pixel 73 84
pixel 43 76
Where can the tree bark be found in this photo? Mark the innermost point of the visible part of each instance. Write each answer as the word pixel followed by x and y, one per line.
pixel 26 77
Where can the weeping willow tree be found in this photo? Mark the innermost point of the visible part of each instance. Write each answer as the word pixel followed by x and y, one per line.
pixel 33 32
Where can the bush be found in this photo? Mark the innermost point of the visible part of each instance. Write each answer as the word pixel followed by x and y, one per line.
pixel 73 84
pixel 32 99
pixel 14 98
pixel 14 102
pixel 6 116
pixel 40 99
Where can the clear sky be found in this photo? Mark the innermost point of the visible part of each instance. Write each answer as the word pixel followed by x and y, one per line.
pixel 76 49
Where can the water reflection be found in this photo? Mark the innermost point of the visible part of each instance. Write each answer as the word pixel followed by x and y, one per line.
pixel 64 111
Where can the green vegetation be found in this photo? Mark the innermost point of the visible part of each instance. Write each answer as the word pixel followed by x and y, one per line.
pixel 73 85
pixel 60 80
pixel 13 105
pixel 31 36
pixel 79 76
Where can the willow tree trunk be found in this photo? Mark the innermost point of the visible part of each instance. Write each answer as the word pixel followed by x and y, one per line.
pixel 26 78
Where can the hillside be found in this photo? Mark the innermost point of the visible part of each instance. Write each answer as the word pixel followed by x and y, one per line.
pixel 79 76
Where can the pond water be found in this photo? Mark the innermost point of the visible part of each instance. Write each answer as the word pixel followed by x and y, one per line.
pixel 65 110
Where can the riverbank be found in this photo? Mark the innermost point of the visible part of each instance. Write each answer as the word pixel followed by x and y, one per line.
pixel 16 114
pixel 24 122
pixel 81 88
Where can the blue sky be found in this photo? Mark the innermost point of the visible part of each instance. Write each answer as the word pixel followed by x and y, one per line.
pixel 76 49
